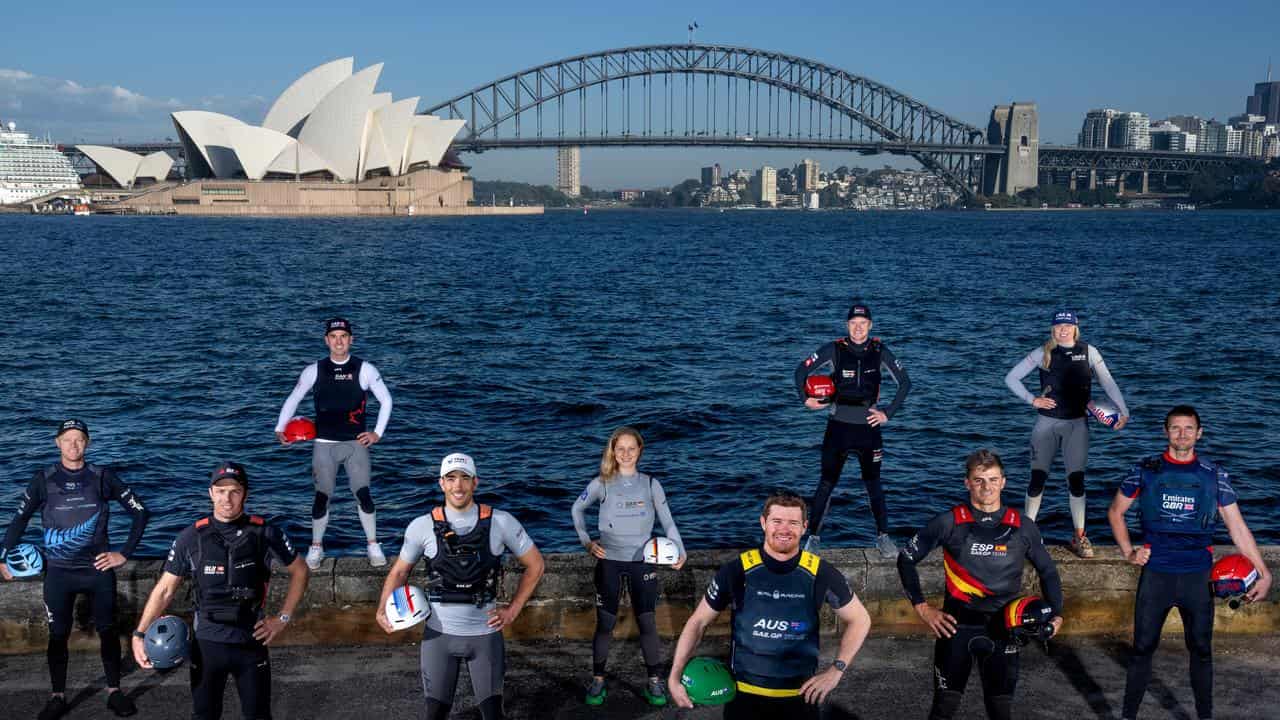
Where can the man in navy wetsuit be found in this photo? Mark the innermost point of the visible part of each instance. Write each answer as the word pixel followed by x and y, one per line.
pixel 73 498
pixel 1180 495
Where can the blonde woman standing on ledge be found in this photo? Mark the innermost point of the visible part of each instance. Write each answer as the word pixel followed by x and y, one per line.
pixel 629 503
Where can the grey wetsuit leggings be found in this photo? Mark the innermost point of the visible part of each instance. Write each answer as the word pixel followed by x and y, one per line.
pixel 327 456
pixel 442 657
pixel 1047 436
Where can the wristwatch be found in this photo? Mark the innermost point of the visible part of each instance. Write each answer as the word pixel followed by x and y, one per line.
pixel 139 634
pixel 284 618
pixel 840 665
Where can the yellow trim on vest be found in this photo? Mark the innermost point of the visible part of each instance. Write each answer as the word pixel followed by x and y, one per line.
pixel 810 562
pixel 750 559
pixel 766 692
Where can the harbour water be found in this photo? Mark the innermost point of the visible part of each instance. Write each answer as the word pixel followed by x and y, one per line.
pixel 525 341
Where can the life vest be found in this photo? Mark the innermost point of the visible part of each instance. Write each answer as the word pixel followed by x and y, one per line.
pixel 464 570
pixel 232 577
pixel 72 517
pixel 1178 498
pixel 983 566
pixel 775 632
pixel 1068 381
pixel 856 373
pixel 339 399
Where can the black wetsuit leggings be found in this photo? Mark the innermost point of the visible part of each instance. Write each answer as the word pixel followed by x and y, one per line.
pixel 1158 593
pixel 841 440
pixel 747 706
pixel 953 660
pixel 213 662
pixel 642 585
pixel 60 590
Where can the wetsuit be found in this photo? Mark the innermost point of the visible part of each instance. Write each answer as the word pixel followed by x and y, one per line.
pixel 1178 504
pixel 628 507
pixel 983 556
pixel 857 370
pixel 1069 382
pixel 230 565
pixel 457 629
pixel 75 514
pixel 775 606
pixel 341 395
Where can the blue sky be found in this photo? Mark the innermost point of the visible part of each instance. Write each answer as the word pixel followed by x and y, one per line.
pixel 97 72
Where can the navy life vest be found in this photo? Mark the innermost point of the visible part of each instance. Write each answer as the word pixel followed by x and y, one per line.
pixel 73 517
pixel 982 564
pixel 1068 381
pixel 775 632
pixel 340 401
pixel 1178 498
pixel 856 373
pixel 464 570
pixel 232 577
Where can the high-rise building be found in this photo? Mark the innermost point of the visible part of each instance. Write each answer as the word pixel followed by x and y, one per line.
pixel 764 186
pixel 1265 101
pixel 1130 131
pixel 1251 142
pixel 807 175
pixel 569 171
pixel 1096 131
pixel 1214 138
pixel 711 176
pixel 1270 147
pixel 1167 136
pixel 1189 123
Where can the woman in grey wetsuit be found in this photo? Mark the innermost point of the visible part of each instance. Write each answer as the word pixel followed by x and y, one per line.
pixel 629 502
pixel 1067 368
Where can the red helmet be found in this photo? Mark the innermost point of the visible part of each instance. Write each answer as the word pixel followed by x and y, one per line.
pixel 819 386
pixel 299 428
pixel 1232 575
pixel 1028 618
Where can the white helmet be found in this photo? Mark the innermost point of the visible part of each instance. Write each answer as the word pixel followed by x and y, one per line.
pixel 661 551
pixel 1104 412
pixel 407 606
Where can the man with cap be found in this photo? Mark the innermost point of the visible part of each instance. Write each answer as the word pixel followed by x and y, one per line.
pixel 228 556
pixel 73 498
pixel 462 543
pixel 1067 367
pixel 857 365
pixel 342 384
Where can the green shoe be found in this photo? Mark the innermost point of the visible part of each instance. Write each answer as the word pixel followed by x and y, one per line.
pixel 655 692
pixel 596 692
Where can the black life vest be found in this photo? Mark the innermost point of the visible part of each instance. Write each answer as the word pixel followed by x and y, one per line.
pixel 982 565
pixel 856 372
pixel 775 632
pixel 74 516
pixel 464 570
pixel 1179 498
pixel 232 578
pixel 1068 381
pixel 340 401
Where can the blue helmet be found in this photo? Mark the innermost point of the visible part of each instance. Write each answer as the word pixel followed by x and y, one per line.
pixel 24 561
pixel 168 642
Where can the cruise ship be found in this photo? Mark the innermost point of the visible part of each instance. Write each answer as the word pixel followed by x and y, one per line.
pixel 30 168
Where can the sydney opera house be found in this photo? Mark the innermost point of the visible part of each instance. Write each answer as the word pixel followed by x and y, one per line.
pixel 329 144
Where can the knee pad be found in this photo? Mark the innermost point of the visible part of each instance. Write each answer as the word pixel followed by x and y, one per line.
pixel 1038 479
pixel 999 707
pixel 365 499
pixel 605 621
pixel 945 704
pixel 648 623
pixel 319 506
pixel 1075 484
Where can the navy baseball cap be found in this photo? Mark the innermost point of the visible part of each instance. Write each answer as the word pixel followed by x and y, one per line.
pixel 337 323
pixel 72 424
pixel 1065 317
pixel 859 310
pixel 230 471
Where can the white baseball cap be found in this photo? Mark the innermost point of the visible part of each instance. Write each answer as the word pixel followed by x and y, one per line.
pixel 457 461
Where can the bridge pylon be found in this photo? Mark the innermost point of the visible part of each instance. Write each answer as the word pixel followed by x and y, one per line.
pixel 1015 126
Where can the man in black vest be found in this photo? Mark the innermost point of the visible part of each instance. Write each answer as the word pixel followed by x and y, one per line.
pixel 342 383
pixel 984 547
pixel 228 555
pixel 855 365
pixel 775 593
pixel 1180 496
pixel 72 499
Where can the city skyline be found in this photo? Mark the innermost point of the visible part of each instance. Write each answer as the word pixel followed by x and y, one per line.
pixel 65 79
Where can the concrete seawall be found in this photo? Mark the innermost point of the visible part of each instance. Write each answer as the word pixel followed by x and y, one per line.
pixel 339 605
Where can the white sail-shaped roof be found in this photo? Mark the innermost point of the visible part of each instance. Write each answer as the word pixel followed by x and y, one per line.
pixel 156 165
pixel 297 159
pixel 431 138
pixel 299 99
pixel 335 128
pixel 120 165
pixel 208 132
pixel 257 147
pixel 389 144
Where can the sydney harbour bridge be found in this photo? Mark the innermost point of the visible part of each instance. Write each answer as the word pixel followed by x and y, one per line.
pixel 685 95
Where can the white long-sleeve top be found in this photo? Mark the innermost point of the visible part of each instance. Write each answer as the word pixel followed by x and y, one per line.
pixel 370 379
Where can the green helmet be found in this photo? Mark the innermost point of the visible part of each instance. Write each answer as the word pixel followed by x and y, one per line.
pixel 708 682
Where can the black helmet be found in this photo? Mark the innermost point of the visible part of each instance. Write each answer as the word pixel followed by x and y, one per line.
pixel 1028 618
pixel 168 642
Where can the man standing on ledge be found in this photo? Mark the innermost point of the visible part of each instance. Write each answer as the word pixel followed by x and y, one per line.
pixel 1176 555
pixel 984 548
pixel 72 497
pixel 342 383
pixel 776 592
pixel 463 543
pixel 228 557
pixel 853 425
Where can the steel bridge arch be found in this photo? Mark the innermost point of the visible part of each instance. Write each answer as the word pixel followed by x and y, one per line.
pixel 896 117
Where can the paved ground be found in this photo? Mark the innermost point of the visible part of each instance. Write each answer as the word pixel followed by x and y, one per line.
pixel 1079 679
